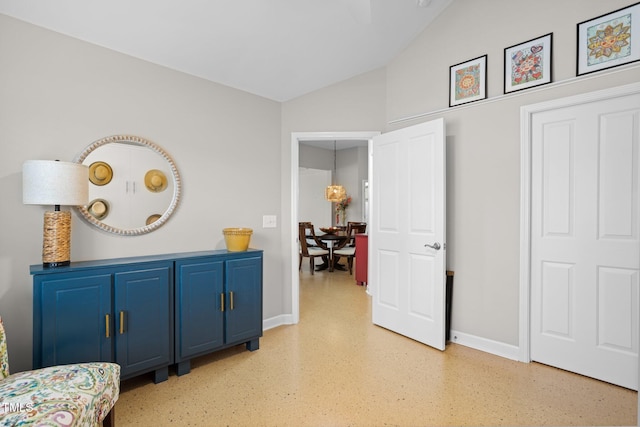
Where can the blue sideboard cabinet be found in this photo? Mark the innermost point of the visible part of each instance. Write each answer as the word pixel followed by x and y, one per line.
pixel 218 305
pixel 147 313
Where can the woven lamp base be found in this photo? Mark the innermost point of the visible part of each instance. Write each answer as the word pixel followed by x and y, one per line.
pixel 56 241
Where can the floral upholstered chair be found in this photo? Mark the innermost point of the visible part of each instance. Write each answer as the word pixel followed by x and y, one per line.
pixel 81 394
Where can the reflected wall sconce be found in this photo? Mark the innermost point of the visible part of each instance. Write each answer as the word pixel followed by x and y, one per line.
pixel 51 182
pixel 335 193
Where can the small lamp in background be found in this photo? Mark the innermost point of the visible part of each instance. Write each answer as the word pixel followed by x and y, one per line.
pixel 335 193
pixel 49 182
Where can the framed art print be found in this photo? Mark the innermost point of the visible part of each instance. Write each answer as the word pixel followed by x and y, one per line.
pixel 609 40
pixel 528 64
pixel 468 81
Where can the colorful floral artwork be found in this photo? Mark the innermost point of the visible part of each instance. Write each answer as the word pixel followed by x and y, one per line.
pixel 528 64
pixel 609 40
pixel 468 81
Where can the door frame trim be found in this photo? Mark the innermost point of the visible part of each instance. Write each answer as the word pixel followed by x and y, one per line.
pixel 296 137
pixel 526 114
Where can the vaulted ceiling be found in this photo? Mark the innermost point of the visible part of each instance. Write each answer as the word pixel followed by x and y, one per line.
pixel 278 49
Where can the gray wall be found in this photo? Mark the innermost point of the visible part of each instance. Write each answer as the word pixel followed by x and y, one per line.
pixel 312 206
pixel 58 94
pixel 483 139
pixel 352 167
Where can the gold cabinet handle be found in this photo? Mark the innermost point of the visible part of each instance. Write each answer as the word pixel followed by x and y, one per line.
pixel 222 301
pixel 121 322
pixel 231 300
pixel 106 324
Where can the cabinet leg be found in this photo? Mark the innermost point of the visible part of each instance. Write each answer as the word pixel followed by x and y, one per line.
pixel 161 374
pixel 253 345
pixel 183 367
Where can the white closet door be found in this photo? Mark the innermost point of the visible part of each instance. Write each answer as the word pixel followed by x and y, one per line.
pixel 585 247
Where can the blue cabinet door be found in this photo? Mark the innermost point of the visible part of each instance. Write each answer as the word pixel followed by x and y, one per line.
pixel 143 312
pixel 199 299
pixel 244 310
pixel 75 310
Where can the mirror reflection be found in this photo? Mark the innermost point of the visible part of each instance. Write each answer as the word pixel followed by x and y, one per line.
pixel 134 185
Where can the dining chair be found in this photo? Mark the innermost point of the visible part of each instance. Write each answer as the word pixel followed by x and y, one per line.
pixel 306 232
pixel 347 248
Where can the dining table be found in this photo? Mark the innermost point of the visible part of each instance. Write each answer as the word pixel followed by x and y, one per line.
pixel 332 239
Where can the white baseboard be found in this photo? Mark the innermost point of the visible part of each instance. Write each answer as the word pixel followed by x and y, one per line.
pixel 274 322
pixel 483 344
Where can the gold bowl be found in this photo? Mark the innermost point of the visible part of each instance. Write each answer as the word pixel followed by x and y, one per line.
pixel 237 239
pixel 330 230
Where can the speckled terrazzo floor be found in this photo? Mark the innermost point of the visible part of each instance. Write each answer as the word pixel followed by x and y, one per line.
pixel 336 369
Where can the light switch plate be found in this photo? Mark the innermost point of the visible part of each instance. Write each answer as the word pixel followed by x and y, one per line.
pixel 269 221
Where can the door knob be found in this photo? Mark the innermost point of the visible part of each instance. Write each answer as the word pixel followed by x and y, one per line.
pixel 435 246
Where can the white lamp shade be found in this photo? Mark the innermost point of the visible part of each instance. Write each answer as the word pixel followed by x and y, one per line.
pixel 50 182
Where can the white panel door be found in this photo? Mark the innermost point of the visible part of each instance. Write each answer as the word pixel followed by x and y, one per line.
pixel 407 232
pixel 585 247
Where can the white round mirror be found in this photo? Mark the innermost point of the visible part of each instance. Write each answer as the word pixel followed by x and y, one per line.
pixel 134 185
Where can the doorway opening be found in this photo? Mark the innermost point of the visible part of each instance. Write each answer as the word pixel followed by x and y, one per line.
pixel 328 139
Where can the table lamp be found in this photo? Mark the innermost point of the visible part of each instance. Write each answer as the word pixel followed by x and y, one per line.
pixel 51 182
